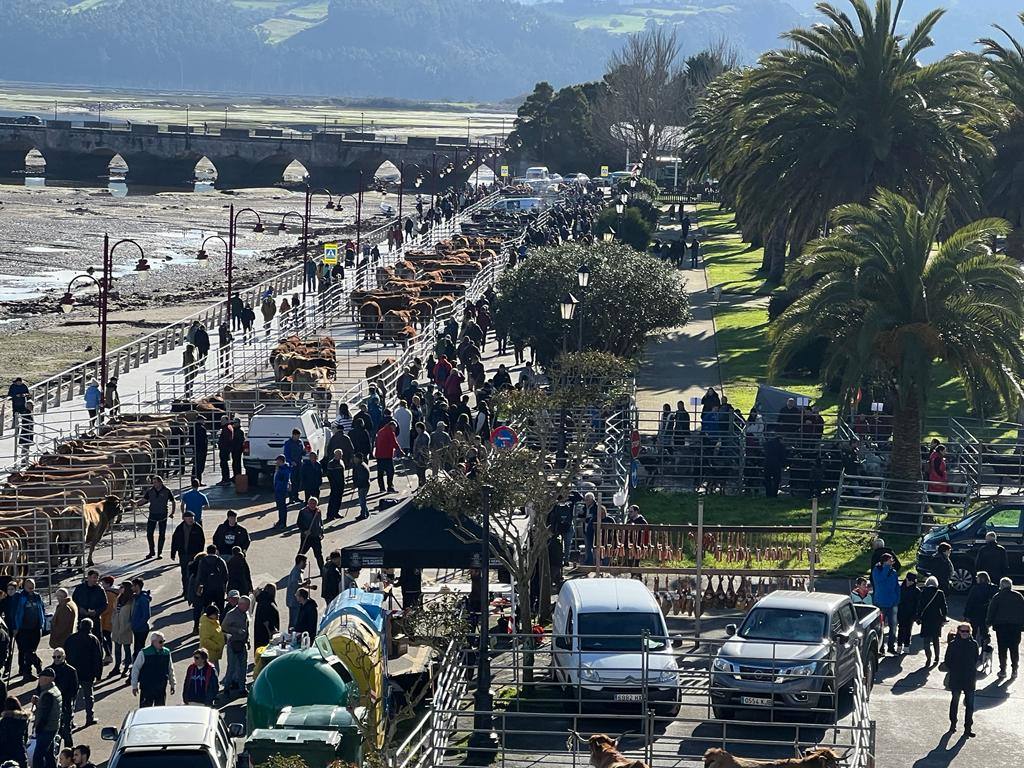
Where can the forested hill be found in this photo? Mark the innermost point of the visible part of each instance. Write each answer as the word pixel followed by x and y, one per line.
pixel 414 49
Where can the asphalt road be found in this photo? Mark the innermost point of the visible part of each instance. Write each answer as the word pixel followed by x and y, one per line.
pixel 908 703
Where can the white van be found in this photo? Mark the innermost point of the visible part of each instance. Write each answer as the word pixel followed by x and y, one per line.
pixel 609 640
pixel 271 425
pixel 537 173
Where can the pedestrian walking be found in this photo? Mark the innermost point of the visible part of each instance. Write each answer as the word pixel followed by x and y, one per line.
pixel 332 578
pixel 46 724
pixel 906 613
pixel 225 442
pixel 224 339
pixel 236 306
pixel 336 468
pixel 13 733
pixel 267 619
pixel 200 685
pixel 121 630
pixel 932 616
pixel 159 498
pixel 885 587
pixel 200 449
pixel 979 596
pixel 65 680
pixel 1006 617
pixel 237 446
pixel 694 253
pixel 202 342
pixel 306 615
pixel 361 482
pixel 91 599
pixel 294 450
pixel 268 308
pixel 311 476
pixel 107 618
pixel 29 620
pixel 239 575
pixel 211 635
pixel 141 606
pixel 236 631
pixel 231 534
pixel 64 620
pixel 111 398
pixel 282 483
pixel 211 579
pixel 296 580
pixel 152 672
pixel 189 367
pixel 194 501
pixel 93 402
pixel 386 447
pixel 942 566
pixel 311 530
pixel 421 452
pixel 961 662
pixel 992 558
pixel 187 541
pixel 248 321
pixel 83 652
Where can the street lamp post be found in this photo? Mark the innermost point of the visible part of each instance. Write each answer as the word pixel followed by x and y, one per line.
pixel 232 232
pixel 583 280
pixel 433 177
pixel 483 703
pixel 359 216
pixel 566 307
pixel 103 284
pixel 401 188
pixel 307 216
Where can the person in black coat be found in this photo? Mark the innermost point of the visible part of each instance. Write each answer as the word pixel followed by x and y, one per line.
pixel 237 446
pixel 187 541
pixel 906 612
pixel 311 476
pixel 83 652
pixel 336 478
pixel 211 579
pixel 13 733
pixel 200 449
pixel 976 607
pixel 962 663
pixel 992 559
pixel 267 621
pixel 774 461
pixel 942 566
pixel 932 615
pixel 306 617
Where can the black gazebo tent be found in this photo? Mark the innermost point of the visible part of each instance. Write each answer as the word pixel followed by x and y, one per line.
pixel 407 536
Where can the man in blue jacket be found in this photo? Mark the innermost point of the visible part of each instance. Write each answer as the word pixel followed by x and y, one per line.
pixel 29 620
pixel 885 585
pixel 141 614
pixel 282 480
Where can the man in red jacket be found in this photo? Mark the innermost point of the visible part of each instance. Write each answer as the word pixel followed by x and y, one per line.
pixel 384 451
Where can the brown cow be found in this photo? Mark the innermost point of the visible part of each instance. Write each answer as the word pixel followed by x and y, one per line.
pixel 604 752
pixel 99 516
pixel 812 758
pixel 369 319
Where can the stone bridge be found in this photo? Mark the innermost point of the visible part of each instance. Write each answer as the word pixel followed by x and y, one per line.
pixel 167 155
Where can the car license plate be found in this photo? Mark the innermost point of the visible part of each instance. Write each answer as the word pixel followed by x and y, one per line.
pixel 754 701
pixel 629 697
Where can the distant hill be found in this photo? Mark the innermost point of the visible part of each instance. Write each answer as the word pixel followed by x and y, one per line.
pixel 412 49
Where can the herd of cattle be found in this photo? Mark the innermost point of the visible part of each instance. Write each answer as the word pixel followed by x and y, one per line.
pixel 62 504
pixel 66 499
pixel 422 285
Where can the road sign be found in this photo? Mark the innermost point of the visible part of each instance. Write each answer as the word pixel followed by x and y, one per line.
pixel 330 253
pixel 604 171
pixel 634 473
pixel 504 171
pixel 634 443
pixel 504 437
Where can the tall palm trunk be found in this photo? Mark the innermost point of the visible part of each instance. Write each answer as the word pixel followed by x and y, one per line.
pixel 906 439
pixel 774 261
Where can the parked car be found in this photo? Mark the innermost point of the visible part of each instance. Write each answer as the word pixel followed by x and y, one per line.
pixel 967 535
pixel 611 642
pixel 513 204
pixel 271 425
pixel 782 654
pixel 537 173
pixel 173 737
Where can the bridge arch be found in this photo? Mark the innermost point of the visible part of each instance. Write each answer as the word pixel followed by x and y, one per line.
pixel 14 158
pixel 88 166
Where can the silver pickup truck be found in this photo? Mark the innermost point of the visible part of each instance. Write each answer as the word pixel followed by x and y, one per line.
pixel 795 651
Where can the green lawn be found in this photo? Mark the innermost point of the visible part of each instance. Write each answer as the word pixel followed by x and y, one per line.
pixel 731 263
pixel 844 553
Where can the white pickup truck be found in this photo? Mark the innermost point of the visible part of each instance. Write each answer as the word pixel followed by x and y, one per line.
pixel 271 426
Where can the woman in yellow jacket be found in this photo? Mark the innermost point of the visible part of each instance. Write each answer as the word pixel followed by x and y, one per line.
pixel 211 636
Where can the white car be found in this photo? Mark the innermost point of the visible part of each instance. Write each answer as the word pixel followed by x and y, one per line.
pixel 173 737
pixel 271 426
pixel 609 639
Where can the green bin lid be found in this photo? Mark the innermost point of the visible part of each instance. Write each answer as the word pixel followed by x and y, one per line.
pixel 315 717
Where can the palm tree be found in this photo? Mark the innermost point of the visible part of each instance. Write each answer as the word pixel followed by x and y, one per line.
pixel 848 109
pixel 1004 64
pixel 891 301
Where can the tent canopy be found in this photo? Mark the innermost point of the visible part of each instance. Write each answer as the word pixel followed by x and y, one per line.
pixel 407 536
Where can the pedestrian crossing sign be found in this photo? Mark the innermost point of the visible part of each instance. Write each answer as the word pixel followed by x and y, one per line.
pixel 330 253
pixel 504 171
pixel 604 171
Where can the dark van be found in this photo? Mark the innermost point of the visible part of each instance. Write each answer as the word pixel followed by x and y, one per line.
pixel 967 536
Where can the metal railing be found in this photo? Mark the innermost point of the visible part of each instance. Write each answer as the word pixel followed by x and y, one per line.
pixel 672 704
pixel 870 503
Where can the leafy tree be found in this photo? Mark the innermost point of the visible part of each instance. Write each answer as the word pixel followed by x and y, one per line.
pixel 845 110
pixel 1004 64
pixel 630 227
pixel 889 303
pixel 631 294
pixel 555 128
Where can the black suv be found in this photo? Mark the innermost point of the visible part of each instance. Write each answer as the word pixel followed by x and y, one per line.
pixel 966 536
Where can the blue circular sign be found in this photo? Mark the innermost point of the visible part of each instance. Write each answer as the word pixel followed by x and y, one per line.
pixel 504 437
pixel 634 473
